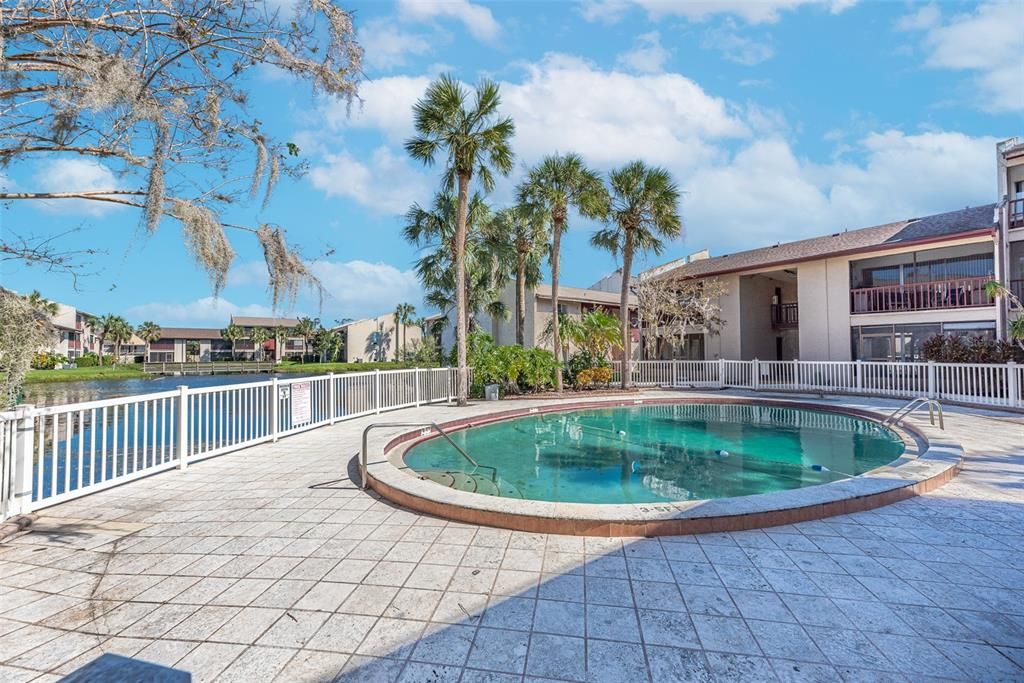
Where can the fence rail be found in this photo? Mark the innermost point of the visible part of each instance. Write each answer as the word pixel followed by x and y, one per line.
pixel 52 454
pixel 977 383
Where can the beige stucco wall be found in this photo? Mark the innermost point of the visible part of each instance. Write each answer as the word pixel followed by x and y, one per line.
pixel 359 333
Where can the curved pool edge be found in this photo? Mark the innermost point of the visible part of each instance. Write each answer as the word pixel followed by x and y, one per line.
pixel 938 459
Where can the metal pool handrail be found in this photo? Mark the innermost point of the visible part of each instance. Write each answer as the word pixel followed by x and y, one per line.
pixel 434 425
pixel 905 410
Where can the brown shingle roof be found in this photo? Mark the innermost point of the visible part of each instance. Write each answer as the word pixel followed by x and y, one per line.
pixel 189 333
pixel 951 224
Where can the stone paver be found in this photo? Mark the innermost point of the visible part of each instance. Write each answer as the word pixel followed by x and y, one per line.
pixel 270 564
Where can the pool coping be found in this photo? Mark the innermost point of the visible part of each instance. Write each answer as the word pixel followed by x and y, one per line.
pixel 937 460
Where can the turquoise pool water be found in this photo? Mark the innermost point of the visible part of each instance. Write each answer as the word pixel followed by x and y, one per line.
pixel 656 453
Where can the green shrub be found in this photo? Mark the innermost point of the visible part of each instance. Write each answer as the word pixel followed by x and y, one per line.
pixel 512 367
pixel 91 360
pixel 969 349
pixel 47 361
pixel 580 361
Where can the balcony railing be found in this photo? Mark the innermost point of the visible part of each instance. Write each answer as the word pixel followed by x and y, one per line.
pixel 1016 211
pixel 785 315
pixel 921 296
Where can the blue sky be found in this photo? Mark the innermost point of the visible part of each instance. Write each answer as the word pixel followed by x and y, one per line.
pixel 779 119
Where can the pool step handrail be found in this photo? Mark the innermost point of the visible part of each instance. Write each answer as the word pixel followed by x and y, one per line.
pixel 906 409
pixel 433 425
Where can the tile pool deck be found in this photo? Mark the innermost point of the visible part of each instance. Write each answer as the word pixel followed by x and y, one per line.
pixel 270 564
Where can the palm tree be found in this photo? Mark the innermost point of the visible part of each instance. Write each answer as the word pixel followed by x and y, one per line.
pixel 149 332
pixel 260 335
pixel 306 328
pixel 120 332
pixel 42 304
pixel 405 315
pixel 106 326
pixel 434 229
pixel 233 333
pixel 280 335
pixel 994 289
pixel 523 230
pixel 476 142
pixel 556 184
pixel 644 208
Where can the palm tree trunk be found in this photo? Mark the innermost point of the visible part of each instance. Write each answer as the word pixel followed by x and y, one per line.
pixel 521 300
pixel 102 339
pixel 461 312
pixel 556 241
pixel 627 341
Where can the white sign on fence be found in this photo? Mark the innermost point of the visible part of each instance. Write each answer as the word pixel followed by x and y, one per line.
pixel 302 403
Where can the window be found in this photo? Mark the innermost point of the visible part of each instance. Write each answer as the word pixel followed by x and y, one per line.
pixel 1018 189
pixel 903 342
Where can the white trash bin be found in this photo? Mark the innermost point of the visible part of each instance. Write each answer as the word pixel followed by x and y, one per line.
pixel 490 392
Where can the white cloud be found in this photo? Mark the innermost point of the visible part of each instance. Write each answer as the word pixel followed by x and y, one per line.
pixel 387 46
pixel 387 106
pixel 75 175
pixel 750 11
pixel 477 19
pixel 386 183
pixel 765 194
pixel 566 103
pixel 988 42
pixel 736 47
pixel 359 289
pixel 208 311
pixel 647 56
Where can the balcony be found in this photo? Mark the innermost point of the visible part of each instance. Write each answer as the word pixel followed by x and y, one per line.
pixel 966 292
pixel 1016 213
pixel 785 316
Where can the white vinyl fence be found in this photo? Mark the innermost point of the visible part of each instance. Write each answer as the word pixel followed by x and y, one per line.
pixel 978 383
pixel 52 454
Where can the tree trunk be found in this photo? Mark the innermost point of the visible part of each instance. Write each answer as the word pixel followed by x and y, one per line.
pixel 521 300
pixel 627 341
pixel 556 241
pixel 461 308
pixel 102 339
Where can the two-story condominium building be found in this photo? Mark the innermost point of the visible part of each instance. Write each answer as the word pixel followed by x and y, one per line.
pixel 875 293
pixel 75 336
pixel 291 344
pixel 377 339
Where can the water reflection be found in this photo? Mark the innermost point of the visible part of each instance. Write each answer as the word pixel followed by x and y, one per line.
pixel 60 393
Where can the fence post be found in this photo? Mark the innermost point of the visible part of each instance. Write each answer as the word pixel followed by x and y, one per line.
pixel 932 388
pixel 416 378
pixel 796 374
pixel 675 372
pixel 452 379
pixel 755 375
pixel 332 399
pixel 376 391
pixel 275 409
pixel 183 427
pixel 1013 384
pixel 24 438
pixel 721 373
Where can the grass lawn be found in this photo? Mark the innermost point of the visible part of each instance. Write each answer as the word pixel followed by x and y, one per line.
pixel 82 374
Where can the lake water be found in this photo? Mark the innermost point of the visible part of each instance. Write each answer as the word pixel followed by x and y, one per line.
pixel 59 393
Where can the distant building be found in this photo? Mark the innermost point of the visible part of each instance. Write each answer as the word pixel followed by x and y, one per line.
pixel 293 346
pixel 75 336
pixel 174 344
pixel 572 301
pixel 377 339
